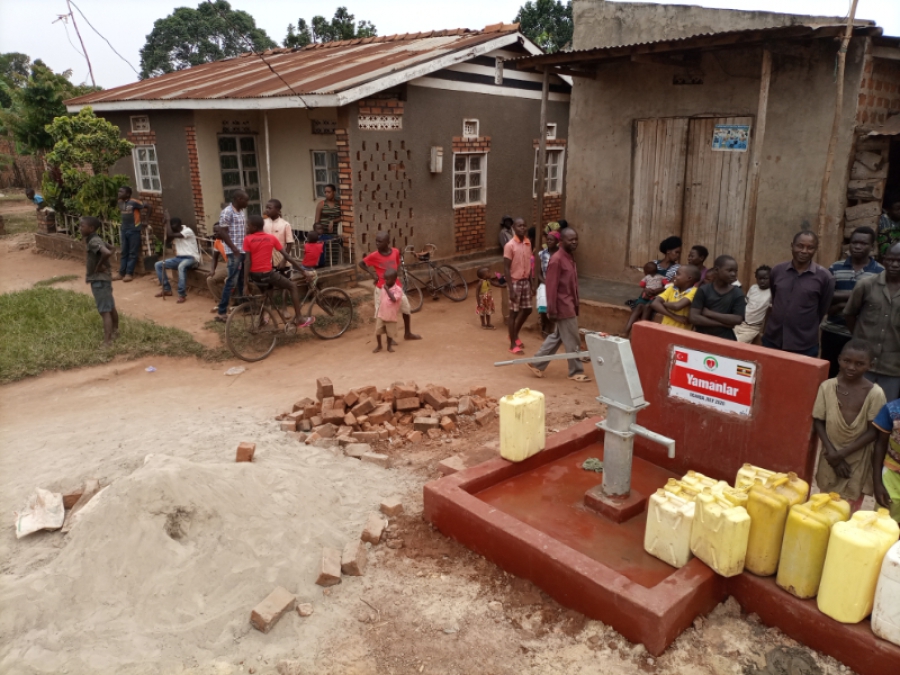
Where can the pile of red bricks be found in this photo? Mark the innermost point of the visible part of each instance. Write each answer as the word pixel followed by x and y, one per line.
pixel 403 413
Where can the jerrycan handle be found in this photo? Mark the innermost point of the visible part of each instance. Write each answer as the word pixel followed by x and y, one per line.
pixel 820 499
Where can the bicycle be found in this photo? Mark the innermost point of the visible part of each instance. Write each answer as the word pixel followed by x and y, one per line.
pixel 253 327
pixel 444 279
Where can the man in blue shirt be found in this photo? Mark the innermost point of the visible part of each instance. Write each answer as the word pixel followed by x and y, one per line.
pixel 858 265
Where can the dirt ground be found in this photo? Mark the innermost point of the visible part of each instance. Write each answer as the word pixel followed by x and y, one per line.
pixel 119 595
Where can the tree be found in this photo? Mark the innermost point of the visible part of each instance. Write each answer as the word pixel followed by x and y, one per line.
pixel 341 27
pixel 85 148
pixel 14 68
pixel 36 103
pixel 189 37
pixel 547 23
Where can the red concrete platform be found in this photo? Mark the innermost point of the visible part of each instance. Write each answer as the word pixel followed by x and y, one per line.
pixel 529 518
pixel 854 645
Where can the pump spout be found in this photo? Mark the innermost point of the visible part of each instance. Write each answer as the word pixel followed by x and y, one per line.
pixel 655 437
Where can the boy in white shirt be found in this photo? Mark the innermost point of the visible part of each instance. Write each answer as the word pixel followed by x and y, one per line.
pixel 276 225
pixel 187 257
pixel 759 297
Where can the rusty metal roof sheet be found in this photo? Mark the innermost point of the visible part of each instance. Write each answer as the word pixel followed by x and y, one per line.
pixel 307 74
pixel 718 40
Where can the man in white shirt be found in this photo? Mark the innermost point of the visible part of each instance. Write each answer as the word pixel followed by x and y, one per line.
pixel 759 298
pixel 276 225
pixel 187 257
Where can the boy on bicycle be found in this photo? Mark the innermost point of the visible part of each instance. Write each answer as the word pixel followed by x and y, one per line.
pixel 383 258
pixel 258 246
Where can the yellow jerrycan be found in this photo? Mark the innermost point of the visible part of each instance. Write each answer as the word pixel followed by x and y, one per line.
pixel 693 480
pixel 768 503
pixel 856 550
pixel 806 535
pixel 670 518
pixel 749 475
pixel 721 530
pixel 522 432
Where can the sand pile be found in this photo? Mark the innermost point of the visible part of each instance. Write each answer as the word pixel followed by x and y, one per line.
pixel 164 566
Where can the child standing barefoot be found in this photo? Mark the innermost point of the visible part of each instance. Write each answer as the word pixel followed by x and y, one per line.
pixel 842 416
pixel 484 300
pixel 388 309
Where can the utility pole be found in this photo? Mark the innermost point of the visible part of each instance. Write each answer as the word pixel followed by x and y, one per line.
pixel 78 33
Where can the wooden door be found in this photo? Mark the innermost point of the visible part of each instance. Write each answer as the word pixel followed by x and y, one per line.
pixel 658 186
pixel 715 188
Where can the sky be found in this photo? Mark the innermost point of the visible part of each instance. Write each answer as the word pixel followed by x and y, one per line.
pixel 31 26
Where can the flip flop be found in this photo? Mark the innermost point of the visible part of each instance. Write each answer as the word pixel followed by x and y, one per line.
pixel 581 377
pixel 517 350
pixel 535 370
pixel 519 343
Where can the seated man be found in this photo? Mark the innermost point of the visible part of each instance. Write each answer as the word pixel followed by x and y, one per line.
pixel 258 246
pixel 187 257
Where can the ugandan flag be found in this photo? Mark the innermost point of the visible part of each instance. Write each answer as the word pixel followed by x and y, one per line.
pixel 746 371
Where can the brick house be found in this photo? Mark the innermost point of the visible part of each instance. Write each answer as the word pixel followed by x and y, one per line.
pixel 427 135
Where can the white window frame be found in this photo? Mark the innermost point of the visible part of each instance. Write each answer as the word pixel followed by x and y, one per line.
pixel 551 131
pixel 143 169
pixel 477 124
pixel 140 124
pixel 332 174
pixel 255 205
pixel 483 179
pixel 560 168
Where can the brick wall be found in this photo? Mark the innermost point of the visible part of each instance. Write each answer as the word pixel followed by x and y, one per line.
pixel 880 91
pixel 469 228
pixel 380 188
pixel 345 183
pixel 470 222
pixel 553 204
pixel 388 106
pixel 190 134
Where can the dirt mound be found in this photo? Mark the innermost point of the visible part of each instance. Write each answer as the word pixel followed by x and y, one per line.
pixel 169 561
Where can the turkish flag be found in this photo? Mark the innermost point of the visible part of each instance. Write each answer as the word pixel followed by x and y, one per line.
pixel 681 356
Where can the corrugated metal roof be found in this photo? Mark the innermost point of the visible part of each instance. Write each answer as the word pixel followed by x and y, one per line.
pixel 698 41
pixel 314 70
pixel 890 128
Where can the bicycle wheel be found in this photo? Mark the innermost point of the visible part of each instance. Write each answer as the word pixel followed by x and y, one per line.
pixel 413 290
pixel 248 335
pixel 452 283
pixel 333 312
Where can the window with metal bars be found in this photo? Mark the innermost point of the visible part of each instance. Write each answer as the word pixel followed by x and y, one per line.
pixel 146 168
pixel 469 179
pixel 553 181
pixel 240 169
pixel 325 170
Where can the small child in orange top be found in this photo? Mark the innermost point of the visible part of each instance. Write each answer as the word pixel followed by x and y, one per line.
pixel 388 311
pixel 312 251
pixel 484 300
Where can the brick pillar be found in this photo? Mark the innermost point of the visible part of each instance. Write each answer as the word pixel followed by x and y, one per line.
pixel 190 134
pixel 345 185
pixel 46 221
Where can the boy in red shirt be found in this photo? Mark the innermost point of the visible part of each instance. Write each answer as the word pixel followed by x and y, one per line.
pixel 383 258
pixel 258 246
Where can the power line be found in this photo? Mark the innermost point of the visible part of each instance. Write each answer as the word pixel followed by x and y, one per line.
pixel 63 18
pixel 104 38
pixel 83 48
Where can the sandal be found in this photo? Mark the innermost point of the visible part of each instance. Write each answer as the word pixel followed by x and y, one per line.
pixel 581 377
pixel 519 343
pixel 537 372
pixel 517 350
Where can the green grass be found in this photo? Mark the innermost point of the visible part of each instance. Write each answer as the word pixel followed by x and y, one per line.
pixel 16 223
pixel 55 280
pixel 49 328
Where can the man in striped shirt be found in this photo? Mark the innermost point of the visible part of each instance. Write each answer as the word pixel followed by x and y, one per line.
pixel 857 266
pixel 232 227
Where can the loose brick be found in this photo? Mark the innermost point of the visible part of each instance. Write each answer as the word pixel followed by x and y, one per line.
pixel 383 413
pixel 447 424
pixel 402 391
pixel 310 411
pixel 367 392
pixel 304 609
pixel 392 506
pixel 297 416
pixel 357 450
pixel 305 425
pixel 266 614
pixel 434 434
pixel 377 458
pixel 423 424
pixel 328 403
pixel 383 434
pixel 289 425
pixel 405 404
pixel 451 465
pixel 390 428
pixel 414 436
pixel 435 398
pixel 364 407
pixel 333 416
pixel 374 529
pixel 303 403
pixel 330 569
pixel 312 438
pixel 353 559
pixel 324 388
pixel 345 439
pixel 449 412
pixel 466 406
pixel 406 420
pixel 362 419
pixel 316 421
pixel 478 391
pixel 245 452
pixel 365 436
pixel 484 416
pixel 351 399
pixel 326 430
